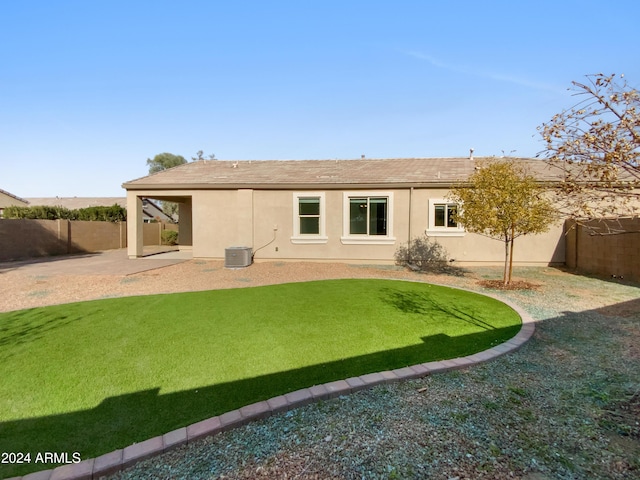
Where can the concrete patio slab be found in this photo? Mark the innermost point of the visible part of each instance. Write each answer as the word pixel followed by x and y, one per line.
pixel 109 262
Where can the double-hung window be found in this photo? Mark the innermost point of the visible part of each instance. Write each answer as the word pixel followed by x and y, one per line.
pixel 368 217
pixel 308 218
pixel 442 220
pixel 309 215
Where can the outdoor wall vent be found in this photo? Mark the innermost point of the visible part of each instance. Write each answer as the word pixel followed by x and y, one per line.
pixel 237 257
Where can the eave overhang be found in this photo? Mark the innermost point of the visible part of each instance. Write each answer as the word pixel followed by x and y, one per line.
pixel 289 186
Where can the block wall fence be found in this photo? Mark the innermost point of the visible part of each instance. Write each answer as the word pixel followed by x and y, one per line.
pixel 23 238
pixel 604 247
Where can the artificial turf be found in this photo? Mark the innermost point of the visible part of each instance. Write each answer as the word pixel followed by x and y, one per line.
pixel 96 376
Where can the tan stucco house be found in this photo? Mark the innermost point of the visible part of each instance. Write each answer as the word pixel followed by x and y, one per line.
pixel 326 210
pixel 10 200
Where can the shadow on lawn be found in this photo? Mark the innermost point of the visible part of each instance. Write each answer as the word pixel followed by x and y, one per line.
pixel 14 330
pixel 125 419
pixel 423 303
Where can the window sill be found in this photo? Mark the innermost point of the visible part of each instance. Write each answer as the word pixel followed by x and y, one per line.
pixel 309 240
pixel 445 233
pixel 371 240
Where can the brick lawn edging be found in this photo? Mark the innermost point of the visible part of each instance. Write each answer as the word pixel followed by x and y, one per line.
pixel 113 462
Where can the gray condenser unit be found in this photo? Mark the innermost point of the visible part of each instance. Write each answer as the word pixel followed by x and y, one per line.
pixel 237 257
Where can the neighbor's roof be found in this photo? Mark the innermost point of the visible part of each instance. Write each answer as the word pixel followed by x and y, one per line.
pixel 74 203
pixel 11 195
pixel 287 174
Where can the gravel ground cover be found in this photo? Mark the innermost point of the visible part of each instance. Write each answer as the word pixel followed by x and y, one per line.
pixel 566 405
pixel 24 287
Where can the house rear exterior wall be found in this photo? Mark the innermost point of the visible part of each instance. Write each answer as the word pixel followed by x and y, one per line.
pixel 543 249
pixel 263 220
pixel 215 219
pixel 276 208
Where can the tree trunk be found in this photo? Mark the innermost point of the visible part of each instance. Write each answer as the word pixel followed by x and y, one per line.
pixel 506 261
pixel 511 256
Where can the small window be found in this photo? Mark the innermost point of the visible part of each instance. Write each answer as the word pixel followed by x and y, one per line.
pixel 445 215
pixel 309 212
pixel 308 218
pixel 441 221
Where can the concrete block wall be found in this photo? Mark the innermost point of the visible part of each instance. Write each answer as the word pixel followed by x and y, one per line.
pixel 21 238
pixel 605 247
pixel 24 238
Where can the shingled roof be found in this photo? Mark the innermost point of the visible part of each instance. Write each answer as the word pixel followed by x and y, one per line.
pixel 73 203
pixel 288 174
pixel 15 197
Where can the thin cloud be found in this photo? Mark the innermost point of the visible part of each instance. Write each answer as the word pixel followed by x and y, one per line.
pixel 522 82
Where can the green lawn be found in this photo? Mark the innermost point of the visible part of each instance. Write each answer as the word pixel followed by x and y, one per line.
pixel 92 377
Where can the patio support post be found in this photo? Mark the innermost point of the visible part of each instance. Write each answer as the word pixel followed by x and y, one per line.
pixel 135 236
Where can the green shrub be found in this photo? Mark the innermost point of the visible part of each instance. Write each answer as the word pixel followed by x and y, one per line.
pixel 115 213
pixel 169 237
pixel 39 212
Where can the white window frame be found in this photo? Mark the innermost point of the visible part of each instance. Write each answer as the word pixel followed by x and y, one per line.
pixel 309 238
pixel 444 231
pixel 349 239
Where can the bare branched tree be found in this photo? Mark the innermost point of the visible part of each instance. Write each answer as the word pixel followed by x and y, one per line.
pixel 596 145
pixel 200 156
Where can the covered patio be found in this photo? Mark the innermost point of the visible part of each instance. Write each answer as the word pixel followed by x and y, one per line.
pixel 135 221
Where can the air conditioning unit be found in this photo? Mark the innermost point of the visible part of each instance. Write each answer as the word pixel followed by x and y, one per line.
pixel 237 257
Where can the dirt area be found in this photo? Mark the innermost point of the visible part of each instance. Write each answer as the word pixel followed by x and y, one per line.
pixel 34 285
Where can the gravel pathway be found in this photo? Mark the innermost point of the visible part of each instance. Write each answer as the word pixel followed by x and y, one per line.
pixel 566 405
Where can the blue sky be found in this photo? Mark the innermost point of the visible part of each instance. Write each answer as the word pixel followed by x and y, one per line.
pixel 91 89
